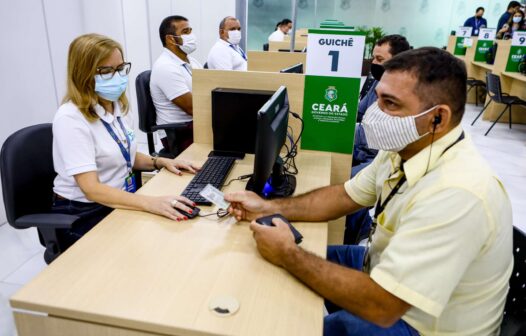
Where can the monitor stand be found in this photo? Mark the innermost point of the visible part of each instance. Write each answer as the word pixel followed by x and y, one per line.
pixel 279 184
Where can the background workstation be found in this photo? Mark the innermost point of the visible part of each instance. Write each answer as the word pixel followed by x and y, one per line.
pixel 34 71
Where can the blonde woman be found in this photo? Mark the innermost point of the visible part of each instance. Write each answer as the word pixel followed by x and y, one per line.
pixel 94 145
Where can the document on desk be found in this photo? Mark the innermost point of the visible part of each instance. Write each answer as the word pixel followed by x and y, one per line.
pixel 215 196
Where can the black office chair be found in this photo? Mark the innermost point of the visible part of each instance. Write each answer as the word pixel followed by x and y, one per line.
pixel 26 165
pixel 147 118
pixel 205 66
pixel 495 94
pixel 265 46
pixel 514 322
pixel 476 83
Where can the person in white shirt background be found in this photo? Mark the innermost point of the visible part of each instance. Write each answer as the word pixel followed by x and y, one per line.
pixel 171 80
pixel 282 28
pixel 226 54
pixel 94 145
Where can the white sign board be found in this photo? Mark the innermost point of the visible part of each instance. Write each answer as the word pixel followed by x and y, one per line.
pixel 464 31
pixel 487 34
pixel 519 39
pixel 335 55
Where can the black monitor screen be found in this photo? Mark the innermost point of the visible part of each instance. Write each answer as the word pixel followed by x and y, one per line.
pixel 234 118
pixel 296 68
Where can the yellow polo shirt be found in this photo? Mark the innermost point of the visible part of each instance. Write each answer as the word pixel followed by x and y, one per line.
pixel 444 243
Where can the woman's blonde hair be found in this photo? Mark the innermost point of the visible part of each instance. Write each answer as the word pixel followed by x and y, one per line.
pixel 85 54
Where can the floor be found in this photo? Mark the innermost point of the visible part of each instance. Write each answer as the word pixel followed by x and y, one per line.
pixel 21 254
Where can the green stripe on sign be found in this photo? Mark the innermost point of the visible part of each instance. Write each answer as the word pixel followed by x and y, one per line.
pixel 335 32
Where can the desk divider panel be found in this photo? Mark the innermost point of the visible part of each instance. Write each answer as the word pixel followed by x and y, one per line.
pixel 275 46
pixel 274 61
pixel 204 81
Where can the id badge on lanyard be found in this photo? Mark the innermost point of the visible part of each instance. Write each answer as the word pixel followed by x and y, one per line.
pixel 130 184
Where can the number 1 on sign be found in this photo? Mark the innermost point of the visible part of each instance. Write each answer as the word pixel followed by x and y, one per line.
pixel 335 55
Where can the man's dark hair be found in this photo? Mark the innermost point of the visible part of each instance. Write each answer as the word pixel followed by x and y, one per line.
pixel 513 4
pixel 223 22
pixel 397 43
pixel 480 8
pixel 166 27
pixel 283 22
pixel 441 77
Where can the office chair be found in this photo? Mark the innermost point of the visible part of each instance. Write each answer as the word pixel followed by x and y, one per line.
pixel 514 321
pixel 265 46
pixel 26 165
pixel 475 83
pixel 147 119
pixel 495 94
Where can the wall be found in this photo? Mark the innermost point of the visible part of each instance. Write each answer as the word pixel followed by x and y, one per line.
pixel 35 36
pixel 423 22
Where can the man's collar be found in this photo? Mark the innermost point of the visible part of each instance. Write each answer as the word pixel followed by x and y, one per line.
pixel 108 117
pixel 173 56
pixel 416 167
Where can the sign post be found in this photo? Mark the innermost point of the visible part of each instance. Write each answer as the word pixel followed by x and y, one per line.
pixel 332 86
pixel 484 44
pixel 462 33
pixel 517 51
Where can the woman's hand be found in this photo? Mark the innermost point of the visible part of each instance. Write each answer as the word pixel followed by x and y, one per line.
pixel 176 166
pixel 167 206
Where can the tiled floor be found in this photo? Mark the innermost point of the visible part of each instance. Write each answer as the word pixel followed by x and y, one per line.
pixel 21 253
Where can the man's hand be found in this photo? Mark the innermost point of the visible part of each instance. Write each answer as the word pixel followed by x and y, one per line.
pixel 274 242
pixel 247 205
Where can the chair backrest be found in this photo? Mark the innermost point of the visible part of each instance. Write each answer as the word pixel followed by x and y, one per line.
pixel 26 167
pixel 265 46
pixel 516 302
pixel 147 114
pixel 493 87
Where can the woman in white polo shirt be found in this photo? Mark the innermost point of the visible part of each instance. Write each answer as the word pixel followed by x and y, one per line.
pixel 94 145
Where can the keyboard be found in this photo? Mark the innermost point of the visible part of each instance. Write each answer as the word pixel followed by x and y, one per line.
pixel 214 172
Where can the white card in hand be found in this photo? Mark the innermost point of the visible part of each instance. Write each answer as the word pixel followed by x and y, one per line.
pixel 215 196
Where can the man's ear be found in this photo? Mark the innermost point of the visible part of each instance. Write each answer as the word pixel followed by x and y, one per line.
pixel 441 119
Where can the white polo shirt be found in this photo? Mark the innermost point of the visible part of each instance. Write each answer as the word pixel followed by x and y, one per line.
pixel 80 146
pixel 277 36
pixel 171 77
pixel 226 56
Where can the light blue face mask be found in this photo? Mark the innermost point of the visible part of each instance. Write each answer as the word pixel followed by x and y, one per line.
pixel 111 89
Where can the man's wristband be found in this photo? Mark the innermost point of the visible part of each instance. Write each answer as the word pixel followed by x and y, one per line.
pixel 154 159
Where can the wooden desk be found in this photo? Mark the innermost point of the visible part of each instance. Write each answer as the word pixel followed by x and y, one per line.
pixel 511 83
pixel 274 61
pixel 140 274
pixel 485 66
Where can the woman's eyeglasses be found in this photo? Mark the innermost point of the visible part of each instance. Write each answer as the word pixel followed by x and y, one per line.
pixel 107 72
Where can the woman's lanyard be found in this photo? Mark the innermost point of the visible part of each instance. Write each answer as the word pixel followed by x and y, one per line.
pixel 380 207
pixel 125 153
pixel 239 51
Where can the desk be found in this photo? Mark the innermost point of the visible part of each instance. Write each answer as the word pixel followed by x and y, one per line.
pixel 274 61
pixel 140 274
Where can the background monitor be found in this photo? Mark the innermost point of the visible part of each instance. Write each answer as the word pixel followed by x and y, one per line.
pixel 269 179
pixel 234 118
pixel 296 68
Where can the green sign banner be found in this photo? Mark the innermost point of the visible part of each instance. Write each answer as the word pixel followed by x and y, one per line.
pixel 482 48
pixel 332 86
pixel 460 49
pixel 517 51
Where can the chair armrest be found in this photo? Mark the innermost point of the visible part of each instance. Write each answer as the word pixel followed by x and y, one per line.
pixel 174 126
pixel 46 220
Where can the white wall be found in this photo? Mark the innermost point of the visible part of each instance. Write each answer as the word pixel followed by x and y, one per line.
pixel 35 36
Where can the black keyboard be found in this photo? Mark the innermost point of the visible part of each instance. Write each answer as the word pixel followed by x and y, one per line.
pixel 214 172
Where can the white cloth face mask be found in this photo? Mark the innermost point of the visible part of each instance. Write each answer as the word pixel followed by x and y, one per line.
pixel 234 37
pixel 390 133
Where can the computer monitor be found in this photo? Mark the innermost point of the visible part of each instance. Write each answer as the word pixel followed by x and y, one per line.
pixel 296 68
pixel 269 179
pixel 235 117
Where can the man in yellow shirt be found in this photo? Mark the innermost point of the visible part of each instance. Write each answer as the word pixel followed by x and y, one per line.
pixel 441 251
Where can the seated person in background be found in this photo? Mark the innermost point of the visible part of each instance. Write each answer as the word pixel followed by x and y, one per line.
pixel 476 22
pixel 171 80
pixel 357 224
pixel 226 54
pixel 513 6
pixel 94 145
pixel 441 255
pixel 516 22
pixel 282 28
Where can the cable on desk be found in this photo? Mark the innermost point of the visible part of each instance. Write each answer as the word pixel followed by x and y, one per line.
pixel 220 213
pixel 240 178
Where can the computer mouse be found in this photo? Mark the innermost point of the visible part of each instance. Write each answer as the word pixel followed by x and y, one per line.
pixel 195 212
pixel 267 220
